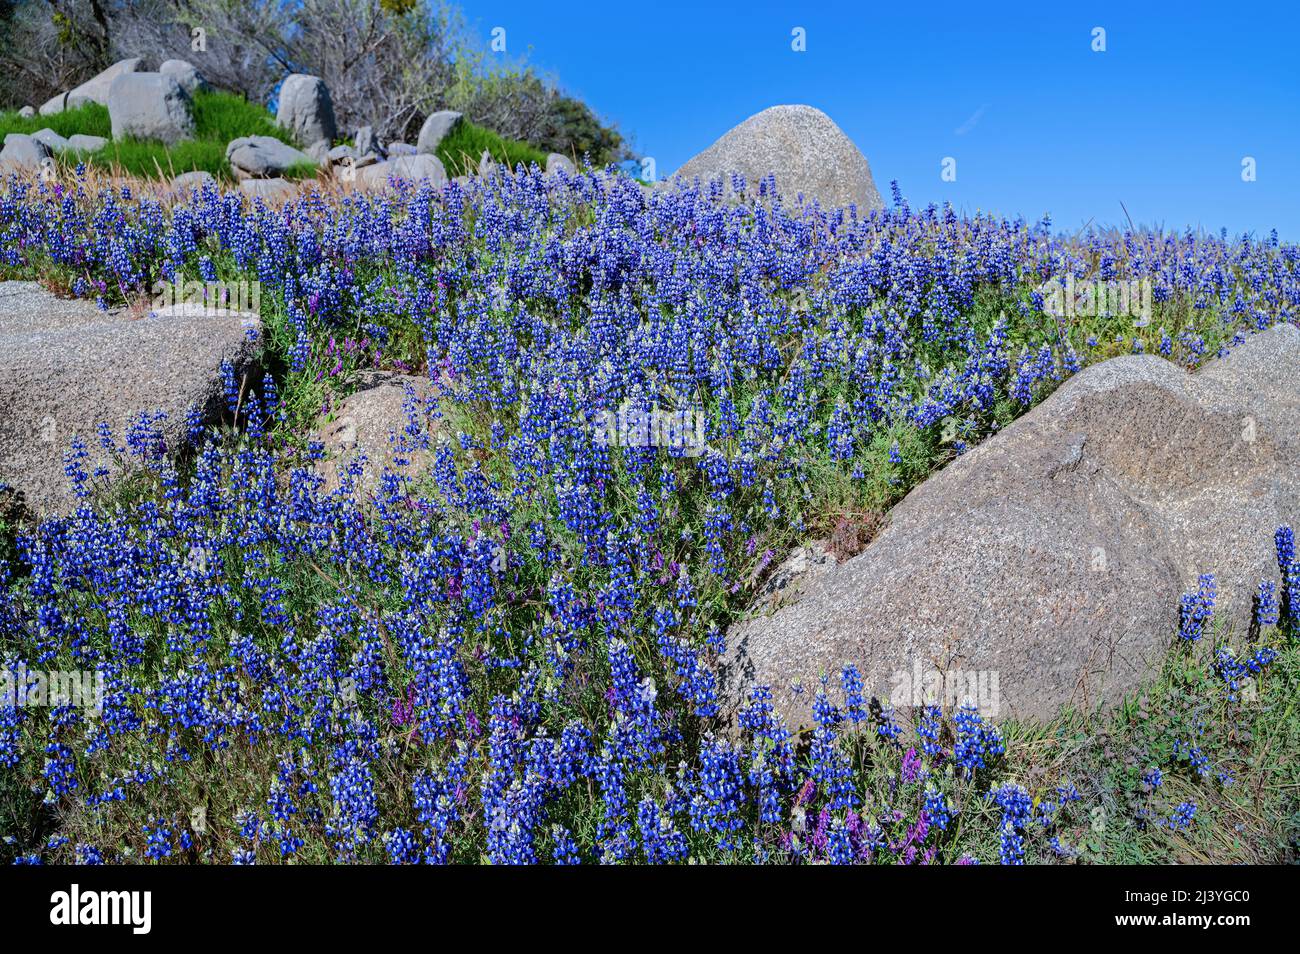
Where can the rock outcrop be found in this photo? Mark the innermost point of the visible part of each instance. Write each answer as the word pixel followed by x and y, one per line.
pixel 263 156
pixel 274 190
pixel 404 168
pixel 1054 554
pixel 94 90
pixel 368 427
pixel 802 148
pixel 66 366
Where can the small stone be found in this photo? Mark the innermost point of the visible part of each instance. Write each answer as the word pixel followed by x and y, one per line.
pixel 557 162
pixel 269 190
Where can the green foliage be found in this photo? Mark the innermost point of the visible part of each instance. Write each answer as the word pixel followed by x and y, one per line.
pixel 219 117
pixel 90 119
pixel 1247 812
pixel 578 132
pixel 461 150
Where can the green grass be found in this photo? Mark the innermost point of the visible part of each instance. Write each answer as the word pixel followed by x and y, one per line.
pixel 1248 797
pixel 218 118
pixel 90 119
pixel 461 150
pixel 221 117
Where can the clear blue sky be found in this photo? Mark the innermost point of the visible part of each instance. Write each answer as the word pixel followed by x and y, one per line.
pixel 1036 120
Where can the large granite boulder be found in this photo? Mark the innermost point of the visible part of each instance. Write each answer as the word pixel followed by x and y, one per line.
pixel 372 429
pixel 150 106
pixel 65 366
pixel 802 147
pixel 264 156
pixel 1053 556
pixel 306 109
pixel 94 90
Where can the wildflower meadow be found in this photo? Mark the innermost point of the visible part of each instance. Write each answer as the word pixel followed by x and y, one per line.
pixel 506 648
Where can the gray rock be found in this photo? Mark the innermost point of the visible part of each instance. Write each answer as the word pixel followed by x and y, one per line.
pixel 27 112
pixel 407 168
pixel 263 156
pixel 150 106
pixel 94 90
pixel 799 145
pixel 319 152
pixel 55 104
pixel 22 153
pixel 366 141
pixel 197 179
pixel 65 366
pixel 77 142
pixel 487 166
pixel 435 129
pixel 556 162
pixel 269 190
pixel 396 150
pixel 83 143
pixel 305 108
pixel 791 578
pixel 1054 554
pixel 185 74
pixel 366 428
pixel 341 153
pixel 50 140
pixel 97 89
